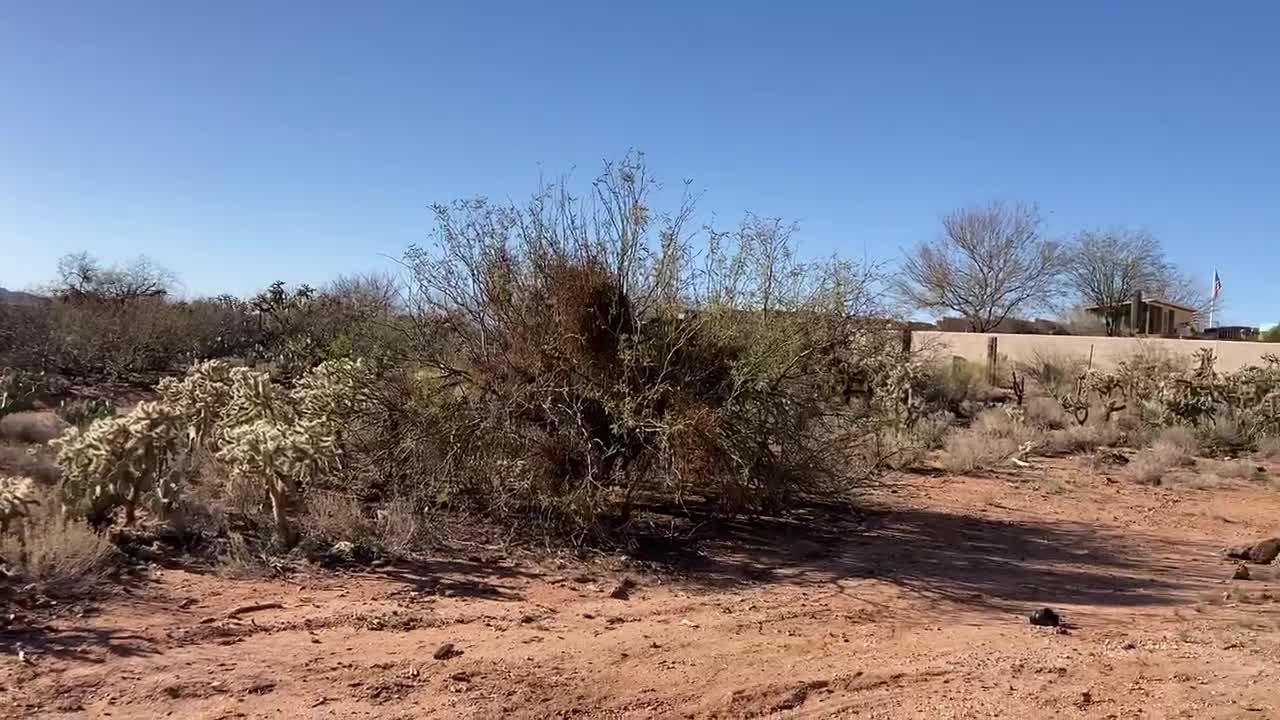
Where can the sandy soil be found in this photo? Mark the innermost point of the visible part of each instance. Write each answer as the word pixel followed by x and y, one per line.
pixel 915 609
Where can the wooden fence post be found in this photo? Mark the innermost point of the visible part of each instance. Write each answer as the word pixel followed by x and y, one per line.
pixel 993 354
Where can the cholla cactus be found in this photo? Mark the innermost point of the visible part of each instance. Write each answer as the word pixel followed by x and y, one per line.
pixel 255 426
pixel 17 389
pixel 332 390
pixel 201 398
pixel 281 455
pixel 285 439
pixel 116 460
pixel 17 495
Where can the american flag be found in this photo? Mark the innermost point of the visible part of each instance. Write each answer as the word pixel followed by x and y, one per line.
pixel 1217 285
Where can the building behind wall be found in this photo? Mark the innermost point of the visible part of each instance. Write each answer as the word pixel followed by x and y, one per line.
pixel 1152 318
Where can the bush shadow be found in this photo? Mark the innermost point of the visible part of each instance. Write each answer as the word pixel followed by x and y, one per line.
pixel 956 558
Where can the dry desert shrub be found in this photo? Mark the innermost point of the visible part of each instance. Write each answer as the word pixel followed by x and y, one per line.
pixel 970 450
pixel 33 461
pixel 30 427
pixel 1046 413
pixel 1148 467
pixel 1235 469
pixel 1269 448
pixel 1075 439
pixel 61 556
pixel 1052 374
pixel 1177 445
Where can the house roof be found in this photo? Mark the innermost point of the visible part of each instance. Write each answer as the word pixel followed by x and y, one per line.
pixel 1163 303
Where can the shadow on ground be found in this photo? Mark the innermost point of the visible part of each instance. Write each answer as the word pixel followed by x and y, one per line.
pixel 475 578
pixel 951 557
pixel 74 643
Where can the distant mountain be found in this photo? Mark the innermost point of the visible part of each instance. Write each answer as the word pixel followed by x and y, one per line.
pixel 15 297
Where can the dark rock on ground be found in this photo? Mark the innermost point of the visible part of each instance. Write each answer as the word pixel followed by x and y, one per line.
pixel 1045 617
pixel 1261 553
pixel 446 651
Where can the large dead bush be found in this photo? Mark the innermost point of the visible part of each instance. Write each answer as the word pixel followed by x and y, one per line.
pixel 576 360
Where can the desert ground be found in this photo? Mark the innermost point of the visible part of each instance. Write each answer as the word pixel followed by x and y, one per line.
pixel 914 606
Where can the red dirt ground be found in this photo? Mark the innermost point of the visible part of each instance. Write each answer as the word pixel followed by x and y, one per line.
pixel 915 610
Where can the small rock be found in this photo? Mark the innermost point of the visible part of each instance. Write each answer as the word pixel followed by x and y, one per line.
pixel 1045 617
pixel 1059 630
pixel 446 651
pixel 1262 552
pixel 1241 573
pixel 461 676
pixel 1128 645
pixel 623 590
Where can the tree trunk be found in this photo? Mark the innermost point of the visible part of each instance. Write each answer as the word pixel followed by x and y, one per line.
pixel 279 514
pixel 130 505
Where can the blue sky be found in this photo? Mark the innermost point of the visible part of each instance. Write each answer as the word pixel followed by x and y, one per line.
pixel 241 142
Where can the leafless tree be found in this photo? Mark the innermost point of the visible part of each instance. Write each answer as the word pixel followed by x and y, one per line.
pixel 1107 268
pixel 990 262
pixel 82 276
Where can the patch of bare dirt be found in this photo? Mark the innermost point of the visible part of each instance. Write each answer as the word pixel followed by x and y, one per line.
pixel 914 608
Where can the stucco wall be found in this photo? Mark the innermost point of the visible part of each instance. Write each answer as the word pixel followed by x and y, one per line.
pixel 1107 351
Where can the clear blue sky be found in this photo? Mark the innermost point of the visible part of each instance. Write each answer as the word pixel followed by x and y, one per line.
pixel 241 142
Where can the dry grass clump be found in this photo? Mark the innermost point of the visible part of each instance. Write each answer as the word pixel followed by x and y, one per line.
pixel 1179 446
pixel 1224 434
pixel 1053 374
pixel 33 461
pixel 972 450
pixel 1235 469
pixel 1047 414
pixel 60 556
pixel 1081 439
pixel 1148 467
pixel 392 528
pixel 1269 448
pixel 30 427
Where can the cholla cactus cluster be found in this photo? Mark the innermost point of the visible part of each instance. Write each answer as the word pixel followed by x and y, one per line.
pixel 1162 395
pixel 16 390
pixel 200 397
pixel 257 428
pixel 286 439
pixel 17 496
pixel 115 461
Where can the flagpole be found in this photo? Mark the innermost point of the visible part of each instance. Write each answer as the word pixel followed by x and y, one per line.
pixel 1213 297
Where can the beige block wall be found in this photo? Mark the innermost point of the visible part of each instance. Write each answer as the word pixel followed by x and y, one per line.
pixel 1107 351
